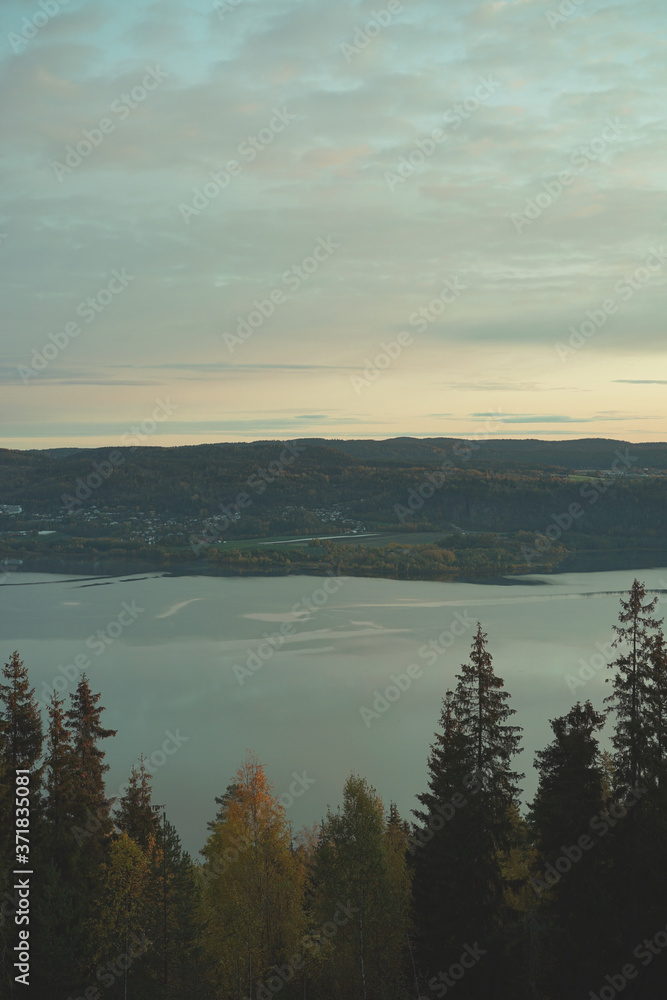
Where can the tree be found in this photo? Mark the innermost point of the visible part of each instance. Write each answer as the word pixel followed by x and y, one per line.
pixel 360 862
pixel 573 864
pixel 481 708
pixel 120 936
pixel 59 766
pixel 252 885
pixel 657 717
pixel 630 701
pixel 635 740
pixel 92 805
pixel 136 815
pixel 469 820
pixel 20 750
pixel 22 722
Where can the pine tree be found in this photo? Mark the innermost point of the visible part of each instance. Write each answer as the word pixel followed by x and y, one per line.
pixel 439 832
pixel 20 750
pixel 657 716
pixel 468 821
pixel 634 741
pixel 22 722
pixel 136 815
pixel 572 872
pixel 59 763
pixel 92 805
pixel 653 834
pixel 481 708
pixel 630 701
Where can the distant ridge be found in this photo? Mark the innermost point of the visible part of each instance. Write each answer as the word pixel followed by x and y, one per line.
pixel 494 453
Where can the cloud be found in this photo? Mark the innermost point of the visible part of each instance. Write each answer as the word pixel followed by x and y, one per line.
pixel 354 120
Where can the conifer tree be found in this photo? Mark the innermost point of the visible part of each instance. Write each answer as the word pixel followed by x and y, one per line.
pixel 22 722
pixel 573 860
pixel 136 815
pixel 92 805
pixel 635 635
pixel 20 750
pixel 635 740
pixel 468 820
pixel 59 763
pixel 56 922
pixel 482 710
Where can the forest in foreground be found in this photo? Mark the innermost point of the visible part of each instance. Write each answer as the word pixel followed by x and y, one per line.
pixel 473 896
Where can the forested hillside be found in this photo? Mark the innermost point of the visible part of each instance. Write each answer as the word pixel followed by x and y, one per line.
pixel 474 894
pixel 166 506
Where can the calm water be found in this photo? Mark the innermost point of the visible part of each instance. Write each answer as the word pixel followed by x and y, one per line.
pixel 180 657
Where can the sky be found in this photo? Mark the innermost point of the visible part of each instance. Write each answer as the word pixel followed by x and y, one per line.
pixel 272 219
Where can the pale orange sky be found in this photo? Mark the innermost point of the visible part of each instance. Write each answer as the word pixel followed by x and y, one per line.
pixel 277 201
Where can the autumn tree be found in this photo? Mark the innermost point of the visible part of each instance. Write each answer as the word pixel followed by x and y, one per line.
pixel 252 886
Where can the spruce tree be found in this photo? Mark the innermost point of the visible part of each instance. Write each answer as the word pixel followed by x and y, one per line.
pixel 630 701
pixel 92 805
pixel 60 782
pixel 572 864
pixel 20 750
pixel 22 722
pixel 136 815
pixel 468 821
pixel 635 739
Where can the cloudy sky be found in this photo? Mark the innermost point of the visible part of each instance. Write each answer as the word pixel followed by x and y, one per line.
pixel 285 218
